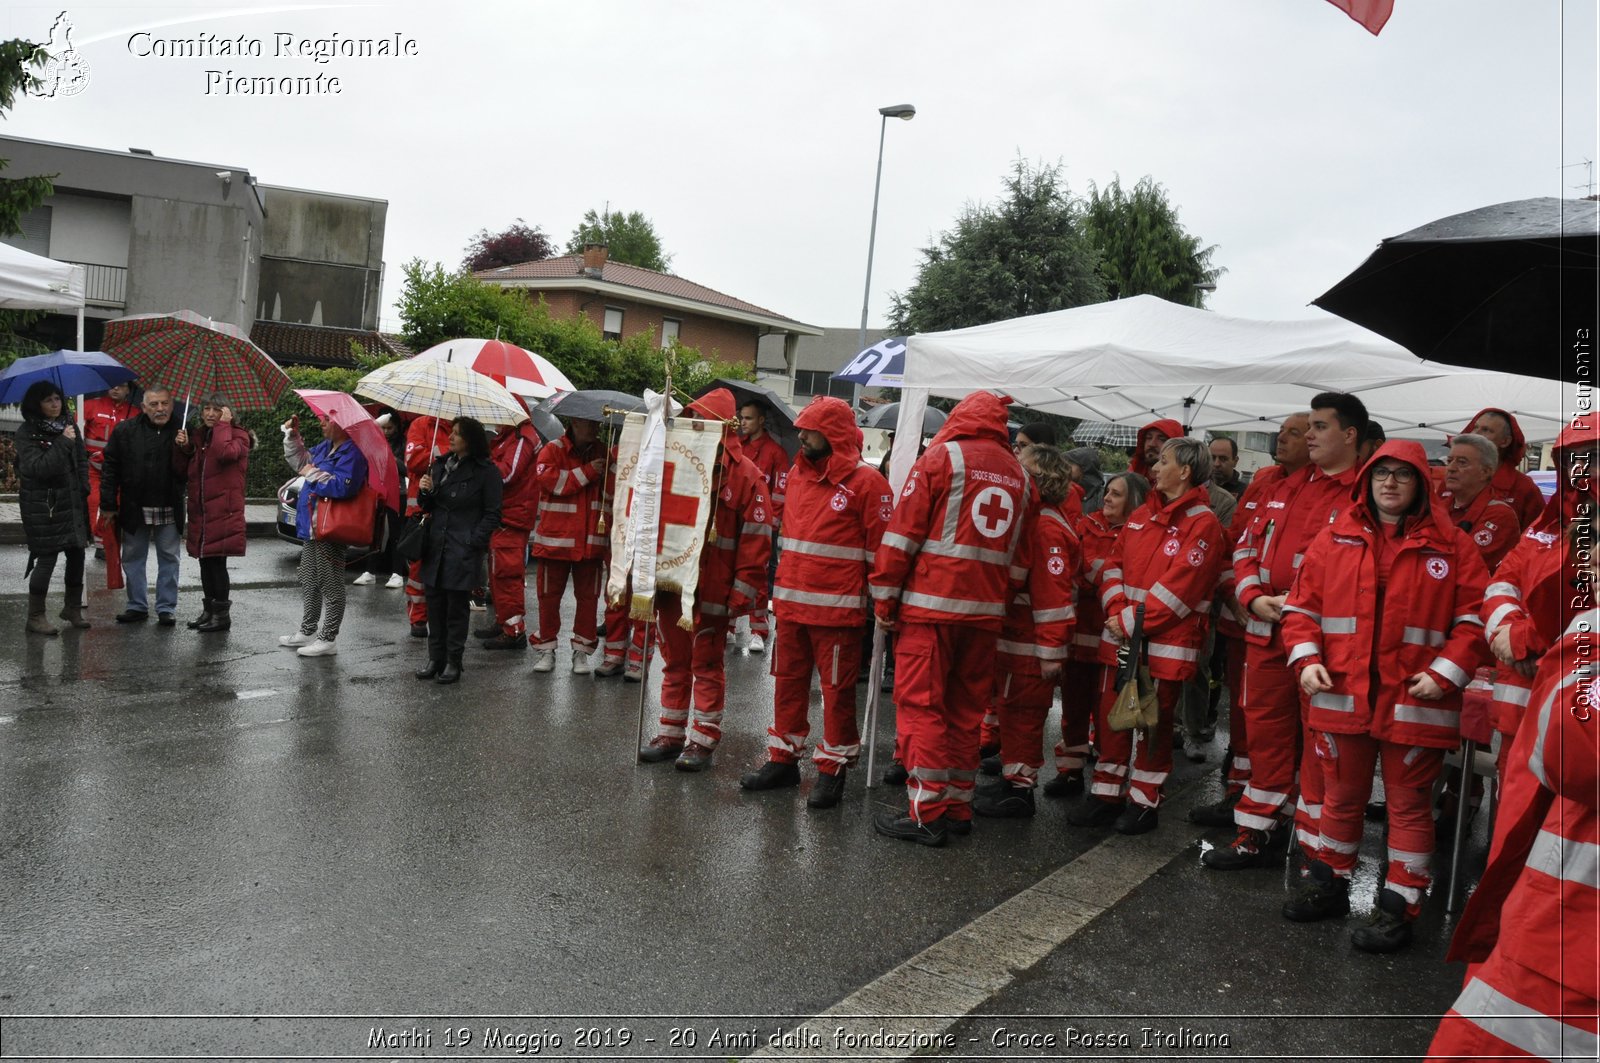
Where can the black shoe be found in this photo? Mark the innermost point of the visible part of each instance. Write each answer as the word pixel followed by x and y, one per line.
pixel 131 616
pixel 659 749
pixel 1389 930
pixel 167 620
pixel 488 631
pixel 895 825
pixel 1323 895
pixel 991 786
pixel 220 618
pixel 1095 813
pixel 771 776
pixel 430 670
pixel 1010 802
pixel 695 757
pixel 896 775
pixel 419 631
pixel 1250 848
pixel 1218 813
pixel 959 827
pixel 451 673
pixel 501 641
pixel 828 790
pixel 205 615
pixel 99 553
pixel 1378 811
pixel 990 766
pixel 988 751
pixel 1066 784
pixel 1136 819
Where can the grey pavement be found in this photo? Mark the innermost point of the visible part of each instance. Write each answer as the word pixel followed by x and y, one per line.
pixel 210 826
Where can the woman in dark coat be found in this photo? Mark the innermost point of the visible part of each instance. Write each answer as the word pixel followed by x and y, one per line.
pixel 214 460
pixel 461 495
pixel 54 495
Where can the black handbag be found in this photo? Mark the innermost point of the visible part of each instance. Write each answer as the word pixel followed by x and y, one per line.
pixel 413 538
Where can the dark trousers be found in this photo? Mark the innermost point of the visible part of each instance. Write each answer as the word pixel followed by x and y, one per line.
pixel 448 613
pixel 44 566
pixel 214 581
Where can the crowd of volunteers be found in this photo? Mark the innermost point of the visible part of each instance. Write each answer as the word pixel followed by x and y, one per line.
pixel 1346 597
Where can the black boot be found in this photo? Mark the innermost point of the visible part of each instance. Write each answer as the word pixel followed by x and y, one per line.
pixel 771 776
pixel 429 671
pixel 1323 896
pixel 1066 784
pixel 37 624
pixel 218 620
pixel 72 609
pixel 1006 802
pixel 1095 813
pixel 828 790
pixel 452 670
pixel 1218 813
pixel 1390 928
pixel 204 617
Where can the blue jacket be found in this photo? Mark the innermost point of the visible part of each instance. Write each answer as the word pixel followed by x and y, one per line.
pixel 349 468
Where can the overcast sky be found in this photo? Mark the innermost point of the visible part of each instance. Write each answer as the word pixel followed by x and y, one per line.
pixel 1285 133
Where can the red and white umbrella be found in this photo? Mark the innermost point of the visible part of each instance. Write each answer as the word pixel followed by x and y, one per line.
pixel 521 372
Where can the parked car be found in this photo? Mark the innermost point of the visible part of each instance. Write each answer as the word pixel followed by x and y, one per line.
pixel 288 497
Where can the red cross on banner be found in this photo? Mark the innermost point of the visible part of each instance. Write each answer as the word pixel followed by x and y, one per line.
pixel 679 509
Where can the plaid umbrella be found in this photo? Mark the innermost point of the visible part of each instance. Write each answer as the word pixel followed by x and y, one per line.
pixel 443 390
pixel 195 356
pixel 1106 433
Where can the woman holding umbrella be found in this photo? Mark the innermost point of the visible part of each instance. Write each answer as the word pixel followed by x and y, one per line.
pixel 54 498
pixel 334 468
pixel 460 493
pixel 213 460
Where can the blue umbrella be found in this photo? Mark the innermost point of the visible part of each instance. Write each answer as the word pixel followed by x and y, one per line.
pixel 883 365
pixel 74 372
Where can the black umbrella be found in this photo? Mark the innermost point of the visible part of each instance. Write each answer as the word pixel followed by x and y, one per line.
pixel 886 416
pixel 1509 287
pixel 780 418
pixel 592 405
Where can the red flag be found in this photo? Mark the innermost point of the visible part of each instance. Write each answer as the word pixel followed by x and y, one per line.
pixel 1370 13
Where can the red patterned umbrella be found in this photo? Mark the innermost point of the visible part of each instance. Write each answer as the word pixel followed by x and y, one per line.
pixel 343 410
pixel 195 356
pixel 521 372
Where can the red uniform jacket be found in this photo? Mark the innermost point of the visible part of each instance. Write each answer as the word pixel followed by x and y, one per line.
pixel 569 501
pixel 1424 619
pixel 1097 543
pixel 1039 622
pixel 1167 427
pixel 840 510
pixel 100 416
pixel 1489 522
pixel 515 452
pixel 1249 503
pixel 1511 483
pixel 772 461
pixel 1170 557
pixel 426 439
pixel 947 555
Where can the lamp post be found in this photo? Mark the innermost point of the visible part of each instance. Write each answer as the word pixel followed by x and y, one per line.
pixel 905 112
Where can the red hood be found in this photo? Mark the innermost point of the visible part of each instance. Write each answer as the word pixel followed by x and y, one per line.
pixel 1563 505
pixel 837 423
pixel 1513 454
pixel 1410 452
pixel 981 415
pixel 715 405
pixel 1167 427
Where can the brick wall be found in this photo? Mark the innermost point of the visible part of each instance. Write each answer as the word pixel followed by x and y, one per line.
pixel 726 341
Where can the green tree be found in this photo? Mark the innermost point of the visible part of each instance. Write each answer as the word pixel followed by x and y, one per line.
pixel 1027 254
pixel 629 238
pixel 18 195
pixel 1144 249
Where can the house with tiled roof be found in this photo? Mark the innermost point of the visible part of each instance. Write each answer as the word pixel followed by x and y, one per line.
pixel 323 346
pixel 624 300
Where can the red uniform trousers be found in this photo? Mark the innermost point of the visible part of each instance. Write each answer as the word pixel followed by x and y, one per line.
pixel 551 585
pixel 624 636
pixel 1151 761
pixel 834 653
pixel 508 570
pixel 989 729
pixel 1025 701
pixel 691 663
pixel 943 679
pixel 1506 1010
pixel 95 531
pixel 1238 773
pixel 1409 773
pixel 1080 696
pixel 1271 696
pixel 416 594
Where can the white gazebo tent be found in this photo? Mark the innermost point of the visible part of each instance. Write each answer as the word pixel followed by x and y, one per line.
pixel 1135 360
pixel 32 282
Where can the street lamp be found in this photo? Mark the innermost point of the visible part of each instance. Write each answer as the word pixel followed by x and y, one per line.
pixel 906 112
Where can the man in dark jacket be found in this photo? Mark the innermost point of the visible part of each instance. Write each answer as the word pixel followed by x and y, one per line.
pixel 142 496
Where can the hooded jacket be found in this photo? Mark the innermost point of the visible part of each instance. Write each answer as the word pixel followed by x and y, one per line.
pixel 100 415
pixel 54 490
pixel 1094 481
pixel 1489 522
pixel 426 438
pixel 772 461
pixel 1511 483
pixel 515 453
pixel 215 466
pixel 1040 621
pixel 946 557
pixel 1097 546
pixel 569 488
pixel 1167 427
pixel 1424 618
pixel 841 507
pixel 733 563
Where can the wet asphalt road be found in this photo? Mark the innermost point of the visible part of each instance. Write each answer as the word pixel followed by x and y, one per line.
pixel 213 826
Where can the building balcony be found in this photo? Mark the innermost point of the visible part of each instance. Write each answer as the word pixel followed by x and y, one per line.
pixel 105 285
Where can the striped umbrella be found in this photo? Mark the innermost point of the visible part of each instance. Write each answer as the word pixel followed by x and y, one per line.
pixel 521 371
pixel 195 356
pixel 441 389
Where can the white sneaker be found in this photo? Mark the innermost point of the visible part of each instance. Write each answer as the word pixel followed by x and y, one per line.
pixel 366 579
pixel 319 648
pixel 544 660
pixel 396 581
pixel 295 640
pixel 476 606
pixel 581 665
pixel 757 645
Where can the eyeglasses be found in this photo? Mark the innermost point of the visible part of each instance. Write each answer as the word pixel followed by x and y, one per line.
pixel 1402 474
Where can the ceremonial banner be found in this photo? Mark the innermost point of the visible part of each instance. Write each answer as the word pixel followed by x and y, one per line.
pixel 662 508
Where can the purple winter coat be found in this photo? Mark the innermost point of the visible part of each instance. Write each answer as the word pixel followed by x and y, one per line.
pixel 215 464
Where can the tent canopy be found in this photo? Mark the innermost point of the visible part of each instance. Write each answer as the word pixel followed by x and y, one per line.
pixel 1135 360
pixel 32 282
